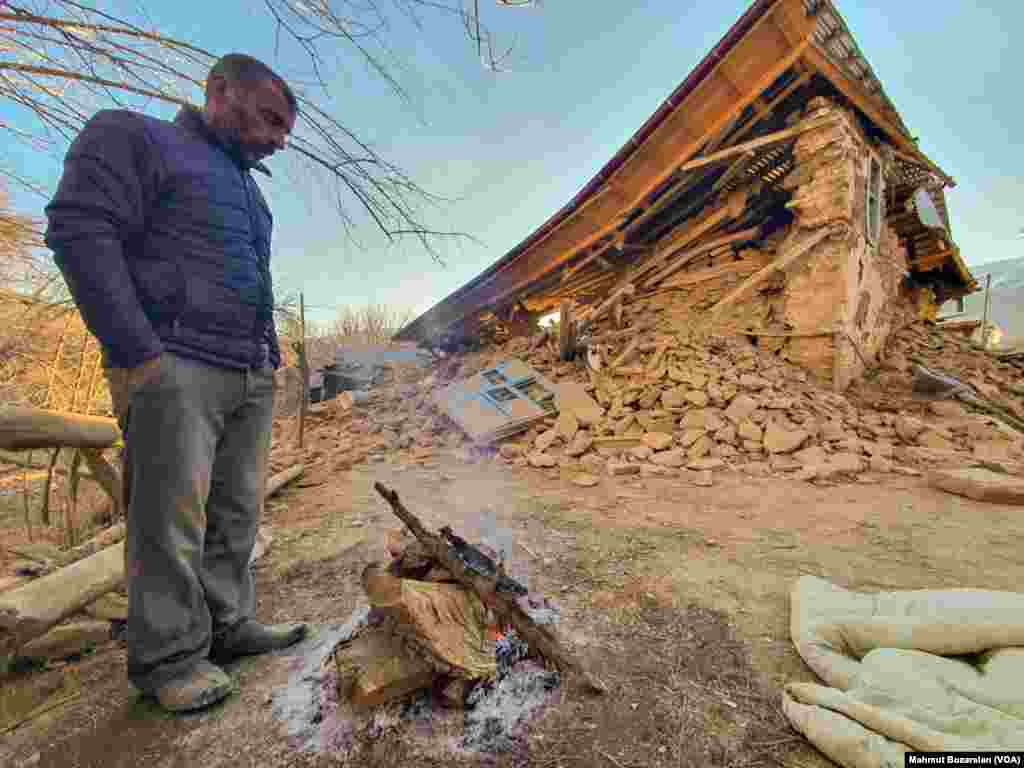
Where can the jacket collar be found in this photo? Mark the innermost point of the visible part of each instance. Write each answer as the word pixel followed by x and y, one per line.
pixel 191 119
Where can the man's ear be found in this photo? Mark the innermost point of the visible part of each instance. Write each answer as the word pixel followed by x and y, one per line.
pixel 216 88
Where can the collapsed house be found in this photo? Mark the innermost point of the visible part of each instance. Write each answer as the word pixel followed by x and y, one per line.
pixel 753 282
pixel 776 194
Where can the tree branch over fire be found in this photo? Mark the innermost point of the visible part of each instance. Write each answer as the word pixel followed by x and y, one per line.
pixel 62 60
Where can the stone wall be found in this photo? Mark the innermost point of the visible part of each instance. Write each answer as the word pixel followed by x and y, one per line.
pixel 847 285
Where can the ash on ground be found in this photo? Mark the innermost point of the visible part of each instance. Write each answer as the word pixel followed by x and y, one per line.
pixel 496 711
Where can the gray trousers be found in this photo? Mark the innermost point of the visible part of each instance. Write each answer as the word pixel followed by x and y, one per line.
pixel 197 444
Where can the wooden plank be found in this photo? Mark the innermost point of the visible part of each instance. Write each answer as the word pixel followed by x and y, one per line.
pixel 855 93
pixel 590 315
pixel 703 275
pixel 751 284
pixel 759 143
pixel 586 261
pixel 766 110
pixel 689 231
pixel 701 250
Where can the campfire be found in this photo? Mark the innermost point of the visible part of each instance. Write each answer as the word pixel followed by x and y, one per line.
pixel 444 618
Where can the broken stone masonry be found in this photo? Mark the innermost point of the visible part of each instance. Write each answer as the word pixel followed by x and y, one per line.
pixel 804 370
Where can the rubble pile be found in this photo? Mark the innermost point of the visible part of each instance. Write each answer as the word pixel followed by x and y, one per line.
pixel 672 402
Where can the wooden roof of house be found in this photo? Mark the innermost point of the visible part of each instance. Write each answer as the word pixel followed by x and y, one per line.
pixel 777 55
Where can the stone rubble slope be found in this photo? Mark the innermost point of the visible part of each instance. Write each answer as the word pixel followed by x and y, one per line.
pixel 679 404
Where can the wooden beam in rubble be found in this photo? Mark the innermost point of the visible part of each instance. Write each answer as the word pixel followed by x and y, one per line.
pixel 751 284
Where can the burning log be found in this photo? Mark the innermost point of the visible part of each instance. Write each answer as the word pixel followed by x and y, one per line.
pixel 487 581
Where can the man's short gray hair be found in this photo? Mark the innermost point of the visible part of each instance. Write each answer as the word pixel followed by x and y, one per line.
pixel 244 69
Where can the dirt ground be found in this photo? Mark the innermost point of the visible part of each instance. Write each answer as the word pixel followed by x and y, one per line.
pixel 677 596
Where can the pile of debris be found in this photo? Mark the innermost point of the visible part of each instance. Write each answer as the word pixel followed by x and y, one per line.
pixel 662 401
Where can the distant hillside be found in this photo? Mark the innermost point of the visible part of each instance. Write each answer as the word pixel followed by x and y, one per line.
pixel 1006 309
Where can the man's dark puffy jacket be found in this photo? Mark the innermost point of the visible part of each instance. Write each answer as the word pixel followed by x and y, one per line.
pixel 163 238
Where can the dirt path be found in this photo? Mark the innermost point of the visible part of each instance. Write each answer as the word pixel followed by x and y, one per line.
pixel 676 595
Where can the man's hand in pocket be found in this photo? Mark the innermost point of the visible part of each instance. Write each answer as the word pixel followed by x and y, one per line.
pixel 123 382
pixel 141 375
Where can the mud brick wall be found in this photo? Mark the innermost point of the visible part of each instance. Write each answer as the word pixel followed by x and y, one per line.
pixel 850 285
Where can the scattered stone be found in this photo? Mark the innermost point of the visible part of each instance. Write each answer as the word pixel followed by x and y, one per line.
pixel 704 465
pixel 586 480
pixel 593 462
pixel 847 463
pixel 545 440
pixel 725 450
pixel 741 407
pixel 567 425
pixel 750 381
pixel 748 430
pixel 783 463
pixel 690 436
pixel 780 440
pixel 618 468
pixel 656 470
pixel 832 430
pixel 641 452
pixel 933 439
pixel 580 444
pixel 540 459
pixel 947 409
pixel 674 458
pixel 726 434
pixel 908 428
pixel 675 397
pixel 979 484
pixel 881 449
pixel 700 448
pixel 993 450
pixel 657 441
pixel 811 456
pixel 881 464
pixel 697 398
pixel 511 450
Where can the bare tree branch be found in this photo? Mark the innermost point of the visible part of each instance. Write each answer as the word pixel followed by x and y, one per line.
pixel 61 60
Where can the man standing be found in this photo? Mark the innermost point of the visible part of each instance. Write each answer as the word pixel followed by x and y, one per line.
pixel 163 238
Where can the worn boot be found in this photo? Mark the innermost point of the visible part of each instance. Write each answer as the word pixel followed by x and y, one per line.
pixel 251 638
pixel 205 685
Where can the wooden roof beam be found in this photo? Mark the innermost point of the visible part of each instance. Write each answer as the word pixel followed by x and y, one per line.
pixel 772 46
pixel 816 59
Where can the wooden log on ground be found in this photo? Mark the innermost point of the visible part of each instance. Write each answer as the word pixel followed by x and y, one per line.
pixel 68 640
pixel 110 607
pixel 541 639
pixel 23 429
pixel 29 611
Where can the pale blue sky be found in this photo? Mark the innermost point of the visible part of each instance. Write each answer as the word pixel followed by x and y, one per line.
pixel 514 147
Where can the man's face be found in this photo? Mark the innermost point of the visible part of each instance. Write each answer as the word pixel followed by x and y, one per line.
pixel 255 119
